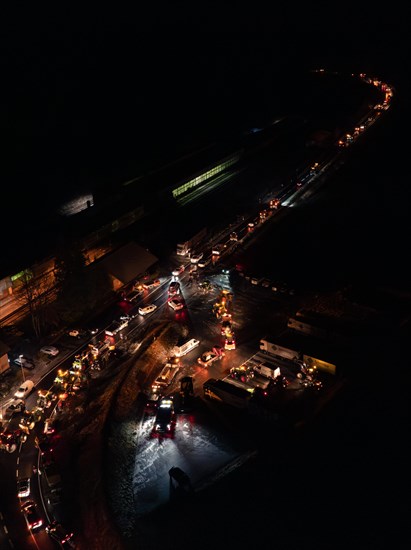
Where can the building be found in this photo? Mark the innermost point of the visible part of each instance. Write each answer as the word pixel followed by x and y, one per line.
pixel 4 358
pixel 126 264
pixel 126 204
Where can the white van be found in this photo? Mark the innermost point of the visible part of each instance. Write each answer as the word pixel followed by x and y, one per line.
pixel 24 390
pixel 179 351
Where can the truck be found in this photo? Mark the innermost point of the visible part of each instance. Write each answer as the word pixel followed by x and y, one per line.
pixel 279 351
pixel 218 249
pixel 185 347
pixel 210 356
pixel 309 354
pixel 115 332
pixel 185 397
pixel 320 327
pixel 167 374
pixel 267 367
pixel 186 247
pixel 51 474
pixel 225 392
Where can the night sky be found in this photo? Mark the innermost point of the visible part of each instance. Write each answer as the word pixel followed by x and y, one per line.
pixel 87 98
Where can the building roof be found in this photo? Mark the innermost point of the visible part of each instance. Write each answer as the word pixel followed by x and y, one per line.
pixel 128 262
pixel 4 348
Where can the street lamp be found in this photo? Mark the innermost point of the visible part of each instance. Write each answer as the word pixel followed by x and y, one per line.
pixel 21 366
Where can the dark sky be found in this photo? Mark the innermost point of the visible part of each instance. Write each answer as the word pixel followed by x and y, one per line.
pixel 89 97
pixel 83 92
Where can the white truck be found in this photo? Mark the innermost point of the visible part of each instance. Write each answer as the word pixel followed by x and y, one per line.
pixel 267 371
pixel 185 348
pixel 279 351
pixel 167 375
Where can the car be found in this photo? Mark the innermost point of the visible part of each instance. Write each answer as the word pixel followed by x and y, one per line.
pixel 226 327
pixel 60 534
pixel 218 249
pixel 25 362
pixel 185 397
pixel 52 474
pixel 23 487
pixel 205 285
pixel 134 294
pixel 24 390
pixel 127 317
pixel 176 304
pixel 230 343
pixel 152 401
pixel 32 515
pixel 49 426
pixel 204 261
pixel 152 284
pixel 77 333
pixel 178 270
pixel 28 421
pixel 55 497
pixel 46 445
pixel 145 310
pixel 45 399
pixel 17 406
pixel 11 439
pixel 174 288
pixel 165 417
pixel 275 203
pixel 242 373
pixel 195 258
pixel 209 357
pixel 51 351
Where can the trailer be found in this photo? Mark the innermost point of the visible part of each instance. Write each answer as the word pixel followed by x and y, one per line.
pixel 115 333
pixel 313 353
pixel 225 392
pixel 322 327
pixel 279 351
